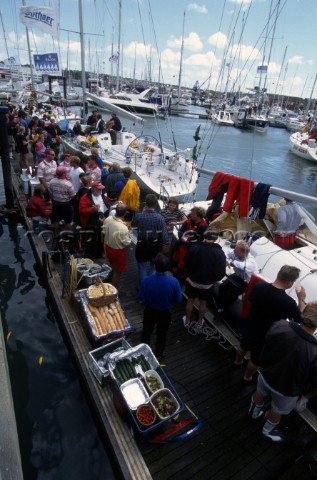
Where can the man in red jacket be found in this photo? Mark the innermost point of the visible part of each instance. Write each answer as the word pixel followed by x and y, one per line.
pixel 37 208
pixel 92 211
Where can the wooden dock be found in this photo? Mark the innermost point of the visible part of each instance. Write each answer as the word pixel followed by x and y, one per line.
pixel 228 446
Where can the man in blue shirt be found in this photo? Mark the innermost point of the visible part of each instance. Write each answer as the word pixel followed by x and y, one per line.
pixel 152 235
pixel 158 292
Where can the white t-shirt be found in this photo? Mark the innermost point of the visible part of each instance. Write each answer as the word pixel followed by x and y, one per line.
pixel 99 201
pixel 74 177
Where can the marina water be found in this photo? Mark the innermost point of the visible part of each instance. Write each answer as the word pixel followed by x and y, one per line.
pixel 58 437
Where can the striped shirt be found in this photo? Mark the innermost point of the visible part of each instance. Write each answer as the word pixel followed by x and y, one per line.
pixel 95 174
pixel 61 190
pixel 175 216
pixel 47 170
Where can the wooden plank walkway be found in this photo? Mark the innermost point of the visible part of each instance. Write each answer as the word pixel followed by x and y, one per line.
pixel 228 446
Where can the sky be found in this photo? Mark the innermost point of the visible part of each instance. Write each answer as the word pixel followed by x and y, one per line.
pixel 224 41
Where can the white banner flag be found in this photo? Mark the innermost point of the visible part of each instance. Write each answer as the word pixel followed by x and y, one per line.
pixel 43 18
pixel 10 62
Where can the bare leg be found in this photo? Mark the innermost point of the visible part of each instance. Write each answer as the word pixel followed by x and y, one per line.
pixel 202 310
pixel 273 417
pixel 257 398
pixel 189 309
pixel 115 278
pixel 250 370
pixel 239 356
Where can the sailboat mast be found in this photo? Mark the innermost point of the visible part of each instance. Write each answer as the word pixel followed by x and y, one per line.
pixel 4 35
pixel 134 66
pixel 181 61
pixel 82 47
pixel 29 51
pixel 311 94
pixel 272 40
pixel 119 42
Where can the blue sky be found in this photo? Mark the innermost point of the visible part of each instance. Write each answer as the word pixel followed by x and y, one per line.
pixel 224 40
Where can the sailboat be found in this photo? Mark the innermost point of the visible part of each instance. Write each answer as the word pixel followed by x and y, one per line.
pixel 179 105
pixel 157 168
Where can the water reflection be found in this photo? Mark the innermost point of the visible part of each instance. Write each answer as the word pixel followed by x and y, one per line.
pixel 57 436
pixel 19 375
pixel 53 450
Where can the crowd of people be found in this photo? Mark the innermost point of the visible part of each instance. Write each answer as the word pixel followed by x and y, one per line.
pixel 278 332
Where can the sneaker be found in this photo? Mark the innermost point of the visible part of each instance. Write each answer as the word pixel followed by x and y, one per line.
pixel 301 404
pixel 185 322
pixel 274 435
pixel 255 411
pixel 198 327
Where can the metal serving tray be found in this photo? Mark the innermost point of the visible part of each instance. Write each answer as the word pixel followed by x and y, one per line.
pixel 98 359
pixel 82 296
pixel 88 278
pixel 134 393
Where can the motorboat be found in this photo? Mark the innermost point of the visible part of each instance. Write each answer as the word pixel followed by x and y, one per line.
pixel 223 118
pixel 294 123
pixel 138 103
pixel 247 119
pixel 303 146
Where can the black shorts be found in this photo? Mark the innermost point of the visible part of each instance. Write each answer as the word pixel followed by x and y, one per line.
pixel 62 211
pixel 193 292
pixel 254 346
pixel 145 252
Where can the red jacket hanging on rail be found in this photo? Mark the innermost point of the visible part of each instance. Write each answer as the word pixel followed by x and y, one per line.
pixel 218 180
pixel 240 191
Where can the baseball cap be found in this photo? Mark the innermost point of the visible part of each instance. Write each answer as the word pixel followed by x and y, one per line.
pixel 61 170
pixel 97 185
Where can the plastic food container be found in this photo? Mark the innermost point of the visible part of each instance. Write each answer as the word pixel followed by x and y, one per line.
pixel 164 403
pixel 134 393
pixel 153 381
pixel 145 415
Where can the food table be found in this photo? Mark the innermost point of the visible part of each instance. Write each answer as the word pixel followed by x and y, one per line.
pixel 146 396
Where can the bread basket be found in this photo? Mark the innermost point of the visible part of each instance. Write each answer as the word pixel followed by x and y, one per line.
pixel 101 294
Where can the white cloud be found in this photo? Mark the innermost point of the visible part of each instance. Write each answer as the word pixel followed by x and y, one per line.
pixel 239 2
pixel 139 48
pixel 297 59
pixel 192 42
pixel 297 81
pixel 197 8
pixel 274 67
pixel 245 52
pixel 202 60
pixel 218 39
